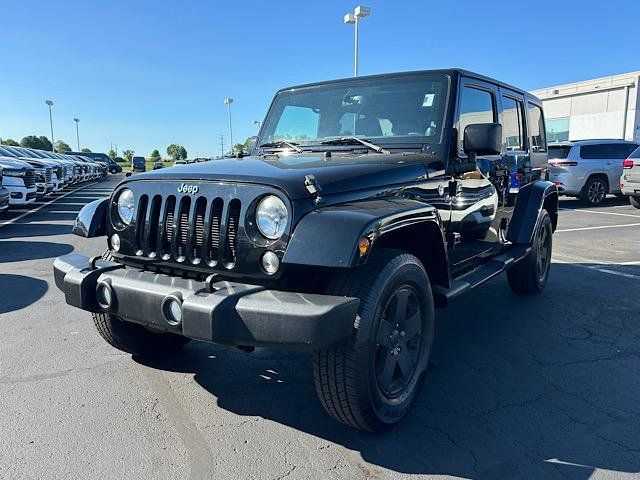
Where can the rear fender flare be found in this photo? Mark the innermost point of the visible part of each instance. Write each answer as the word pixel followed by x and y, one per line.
pixel 530 202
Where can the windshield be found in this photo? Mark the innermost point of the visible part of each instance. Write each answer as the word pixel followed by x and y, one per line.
pixel 559 151
pixel 396 109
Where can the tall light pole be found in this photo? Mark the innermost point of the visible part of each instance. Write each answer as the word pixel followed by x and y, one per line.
pixel 77 120
pixel 50 103
pixel 228 102
pixel 354 18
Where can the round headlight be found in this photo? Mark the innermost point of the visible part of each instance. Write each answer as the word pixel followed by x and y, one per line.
pixel 125 206
pixel 271 217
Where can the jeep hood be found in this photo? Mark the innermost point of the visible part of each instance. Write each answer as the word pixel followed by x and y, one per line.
pixel 340 173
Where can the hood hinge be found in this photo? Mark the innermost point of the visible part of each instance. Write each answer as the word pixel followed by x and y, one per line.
pixel 313 187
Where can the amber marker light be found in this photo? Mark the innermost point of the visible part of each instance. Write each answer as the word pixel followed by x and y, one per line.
pixel 363 245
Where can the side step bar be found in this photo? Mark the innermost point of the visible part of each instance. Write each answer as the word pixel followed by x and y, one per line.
pixel 442 296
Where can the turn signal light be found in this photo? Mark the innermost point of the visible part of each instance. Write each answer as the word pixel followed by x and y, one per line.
pixel 363 245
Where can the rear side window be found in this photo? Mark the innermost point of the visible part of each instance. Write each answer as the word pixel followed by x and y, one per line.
pixel 559 151
pixel 536 127
pixel 607 151
pixel 476 106
pixel 512 124
pixel 635 153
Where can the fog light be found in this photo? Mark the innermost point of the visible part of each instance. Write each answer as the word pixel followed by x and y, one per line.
pixel 115 242
pixel 172 310
pixel 104 295
pixel 270 262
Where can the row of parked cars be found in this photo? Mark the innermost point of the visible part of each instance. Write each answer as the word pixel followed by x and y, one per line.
pixel 27 174
pixel 591 169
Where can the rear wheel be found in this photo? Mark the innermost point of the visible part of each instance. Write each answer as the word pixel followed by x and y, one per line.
pixel 371 382
pixel 133 338
pixel 594 191
pixel 530 274
pixel 635 201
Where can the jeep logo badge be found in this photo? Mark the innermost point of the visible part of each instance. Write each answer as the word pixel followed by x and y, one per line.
pixel 190 189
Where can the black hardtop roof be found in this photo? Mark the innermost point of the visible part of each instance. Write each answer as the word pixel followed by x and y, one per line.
pixel 453 72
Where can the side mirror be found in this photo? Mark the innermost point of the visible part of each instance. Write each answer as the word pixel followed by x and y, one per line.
pixel 482 139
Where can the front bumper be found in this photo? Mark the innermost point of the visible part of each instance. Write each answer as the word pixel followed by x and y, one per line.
pixel 227 313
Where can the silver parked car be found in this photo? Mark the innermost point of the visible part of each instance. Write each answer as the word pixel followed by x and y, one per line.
pixel 630 179
pixel 588 169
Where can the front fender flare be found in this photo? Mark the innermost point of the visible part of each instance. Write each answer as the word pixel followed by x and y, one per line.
pixel 92 219
pixel 531 199
pixel 328 236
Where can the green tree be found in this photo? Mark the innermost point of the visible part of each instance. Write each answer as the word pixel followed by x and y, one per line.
pixel 239 148
pixel 112 154
pixel 11 142
pixel 128 154
pixel 155 155
pixel 62 147
pixel 176 152
pixel 85 150
pixel 39 143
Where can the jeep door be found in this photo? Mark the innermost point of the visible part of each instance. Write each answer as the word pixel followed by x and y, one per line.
pixel 474 208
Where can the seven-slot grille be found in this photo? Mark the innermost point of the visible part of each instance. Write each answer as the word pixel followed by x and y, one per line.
pixel 30 178
pixel 188 229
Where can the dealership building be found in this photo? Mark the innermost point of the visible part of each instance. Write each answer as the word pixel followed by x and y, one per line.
pixel 601 108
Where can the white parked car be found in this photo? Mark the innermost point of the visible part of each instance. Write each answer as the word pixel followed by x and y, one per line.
pixel 588 169
pixel 630 179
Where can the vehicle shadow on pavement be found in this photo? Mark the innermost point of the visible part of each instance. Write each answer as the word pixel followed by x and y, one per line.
pixel 610 201
pixel 19 251
pixel 34 230
pixel 519 387
pixel 18 291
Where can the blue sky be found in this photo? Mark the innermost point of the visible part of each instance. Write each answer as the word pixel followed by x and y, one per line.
pixel 144 74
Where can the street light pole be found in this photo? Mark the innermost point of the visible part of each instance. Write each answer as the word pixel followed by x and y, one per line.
pixel 50 103
pixel 77 120
pixel 228 102
pixel 354 18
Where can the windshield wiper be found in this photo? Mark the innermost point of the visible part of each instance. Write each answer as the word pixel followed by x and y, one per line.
pixel 354 140
pixel 282 143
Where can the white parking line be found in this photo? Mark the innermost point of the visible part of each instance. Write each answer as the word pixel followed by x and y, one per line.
pixel 581 229
pixel 598 268
pixel 599 213
pixel 13 220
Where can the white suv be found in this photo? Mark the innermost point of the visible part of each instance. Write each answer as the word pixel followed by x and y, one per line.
pixel 630 179
pixel 588 169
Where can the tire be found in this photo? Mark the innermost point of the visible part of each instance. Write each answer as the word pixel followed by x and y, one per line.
pixel 371 381
pixel 133 338
pixel 529 276
pixel 635 201
pixel 594 191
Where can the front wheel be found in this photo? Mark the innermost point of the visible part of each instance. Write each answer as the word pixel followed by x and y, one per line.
pixel 635 201
pixel 530 274
pixel 371 382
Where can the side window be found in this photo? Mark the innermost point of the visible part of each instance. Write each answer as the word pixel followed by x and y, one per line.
pixel 536 127
pixel 476 106
pixel 512 124
pixel 607 151
pixel 297 123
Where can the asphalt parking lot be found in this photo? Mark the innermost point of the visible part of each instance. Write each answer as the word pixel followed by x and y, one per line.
pixel 530 388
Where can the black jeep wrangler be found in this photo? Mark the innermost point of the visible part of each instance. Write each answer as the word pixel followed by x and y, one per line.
pixel 361 208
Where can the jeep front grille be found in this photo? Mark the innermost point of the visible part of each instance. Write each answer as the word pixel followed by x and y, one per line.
pixel 188 229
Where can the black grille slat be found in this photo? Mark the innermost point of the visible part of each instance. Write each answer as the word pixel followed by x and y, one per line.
pixel 196 230
pixel 231 235
pixel 182 228
pixel 215 220
pixel 150 242
pixel 141 220
pixel 165 227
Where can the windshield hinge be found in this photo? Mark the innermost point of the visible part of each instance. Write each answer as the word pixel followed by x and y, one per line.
pixel 313 187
